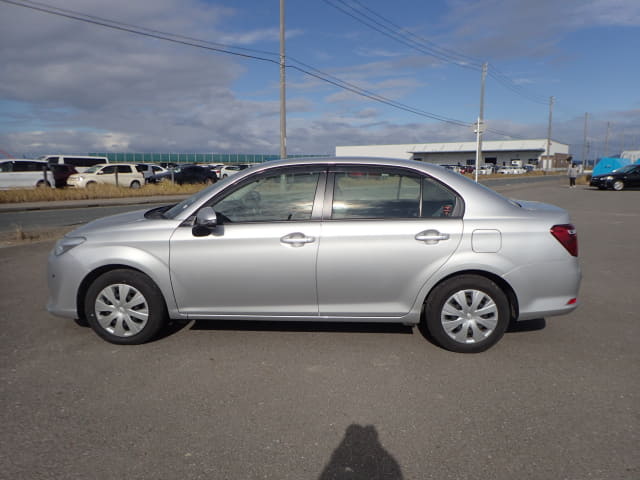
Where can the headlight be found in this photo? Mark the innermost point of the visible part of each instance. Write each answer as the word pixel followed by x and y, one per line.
pixel 67 243
pixel 609 178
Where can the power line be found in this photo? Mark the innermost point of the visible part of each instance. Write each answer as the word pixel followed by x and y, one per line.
pixel 391 33
pixel 365 15
pixel 230 50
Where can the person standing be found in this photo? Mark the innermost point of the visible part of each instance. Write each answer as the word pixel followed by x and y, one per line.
pixel 573 174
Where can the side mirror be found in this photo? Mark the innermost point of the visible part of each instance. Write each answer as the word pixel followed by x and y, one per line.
pixel 206 222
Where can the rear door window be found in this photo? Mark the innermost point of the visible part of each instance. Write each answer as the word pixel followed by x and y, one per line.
pixel 375 194
pixel 383 193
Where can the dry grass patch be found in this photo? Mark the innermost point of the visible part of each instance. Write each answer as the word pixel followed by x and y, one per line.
pixel 17 195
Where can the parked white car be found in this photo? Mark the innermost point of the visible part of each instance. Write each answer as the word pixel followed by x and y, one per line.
pixel 21 172
pixel 485 170
pixel 128 176
pixel 511 170
pixel 229 170
pixel 149 169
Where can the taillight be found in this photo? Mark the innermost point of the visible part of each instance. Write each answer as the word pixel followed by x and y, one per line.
pixel 567 236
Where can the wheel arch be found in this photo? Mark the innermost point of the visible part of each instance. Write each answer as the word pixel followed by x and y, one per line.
pixel 91 277
pixel 498 280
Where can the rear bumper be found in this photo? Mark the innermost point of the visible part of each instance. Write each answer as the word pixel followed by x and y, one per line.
pixel 546 290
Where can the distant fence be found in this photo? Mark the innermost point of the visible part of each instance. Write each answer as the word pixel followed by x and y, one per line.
pixel 128 157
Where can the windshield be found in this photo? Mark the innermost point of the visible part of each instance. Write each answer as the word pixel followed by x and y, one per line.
pixel 93 169
pixel 187 202
pixel 625 169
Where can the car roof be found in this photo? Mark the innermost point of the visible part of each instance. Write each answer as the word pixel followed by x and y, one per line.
pixel 22 160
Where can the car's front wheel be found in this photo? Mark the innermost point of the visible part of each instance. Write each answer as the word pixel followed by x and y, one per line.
pixel 618 185
pixel 125 307
pixel 467 314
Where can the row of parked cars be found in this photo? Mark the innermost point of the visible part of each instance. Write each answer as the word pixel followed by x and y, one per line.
pixel 490 169
pixel 80 172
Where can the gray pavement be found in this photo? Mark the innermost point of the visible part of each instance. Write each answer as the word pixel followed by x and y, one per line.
pixel 554 399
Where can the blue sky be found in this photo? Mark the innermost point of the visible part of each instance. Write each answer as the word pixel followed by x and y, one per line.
pixel 72 87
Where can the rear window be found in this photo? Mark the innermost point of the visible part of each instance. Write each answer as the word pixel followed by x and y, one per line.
pixel 83 161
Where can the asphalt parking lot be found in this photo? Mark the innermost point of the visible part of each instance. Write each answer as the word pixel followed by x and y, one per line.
pixel 554 399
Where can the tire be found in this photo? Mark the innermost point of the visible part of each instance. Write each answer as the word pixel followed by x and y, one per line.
pixel 618 185
pixel 132 320
pixel 225 175
pixel 135 184
pixel 42 183
pixel 467 314
pixel 91 184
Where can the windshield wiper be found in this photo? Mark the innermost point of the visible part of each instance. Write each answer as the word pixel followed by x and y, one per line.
pixel 158 212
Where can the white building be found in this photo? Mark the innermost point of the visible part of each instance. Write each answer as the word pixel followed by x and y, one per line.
pixel 498 153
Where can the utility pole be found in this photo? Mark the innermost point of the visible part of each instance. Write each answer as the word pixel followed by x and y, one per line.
pixel 606 140
pixel 551 100
pixel 283 96
pixel 584 143
pixel 480 124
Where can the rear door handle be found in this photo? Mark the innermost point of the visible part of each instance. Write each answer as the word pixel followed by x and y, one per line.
pixel 297 239
pixel 431 237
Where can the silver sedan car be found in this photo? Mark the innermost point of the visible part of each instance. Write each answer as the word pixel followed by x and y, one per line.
pixel 327 239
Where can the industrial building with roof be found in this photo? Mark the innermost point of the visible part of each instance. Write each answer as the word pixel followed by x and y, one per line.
pixel 495 153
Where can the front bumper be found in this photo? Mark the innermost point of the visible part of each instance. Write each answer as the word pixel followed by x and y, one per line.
pixel 600 182
pixel 64 275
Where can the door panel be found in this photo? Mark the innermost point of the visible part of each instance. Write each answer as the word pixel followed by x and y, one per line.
pixel 245 269
pixel 376 268
pixel 261 258
pixel 390 230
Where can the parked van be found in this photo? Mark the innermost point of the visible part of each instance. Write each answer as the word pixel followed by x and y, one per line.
pixel 79 162
pixel 22 172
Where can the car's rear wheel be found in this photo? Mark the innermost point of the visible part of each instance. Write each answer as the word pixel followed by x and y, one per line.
pixel 467 314
pixel 42 183
pixel 135 184
pixel 125 307
pixel 618 185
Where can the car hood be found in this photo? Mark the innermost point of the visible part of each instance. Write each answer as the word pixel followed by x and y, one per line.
pixel 110 222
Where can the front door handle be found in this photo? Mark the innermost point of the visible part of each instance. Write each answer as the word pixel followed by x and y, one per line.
pixel 431 237
pixel 297 239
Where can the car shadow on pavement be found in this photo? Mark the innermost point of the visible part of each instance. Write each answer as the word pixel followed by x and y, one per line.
pixel 171 328
pixel 361 456
pixel 275 326
pixel 513 327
